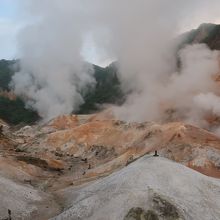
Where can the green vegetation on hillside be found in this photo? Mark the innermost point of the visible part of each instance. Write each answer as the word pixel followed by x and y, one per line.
pixel 14 112
pixel 6 72
pixel 209 34
pixel 213 38
pixel 106 90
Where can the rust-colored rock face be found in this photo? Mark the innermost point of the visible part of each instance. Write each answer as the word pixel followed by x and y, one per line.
pixel 71 150
pixel 65 122
pixel 75 149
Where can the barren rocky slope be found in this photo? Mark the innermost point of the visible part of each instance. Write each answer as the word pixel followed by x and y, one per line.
pixel 72 150
pixel 150 188
pixel 24 201
pixel 90 146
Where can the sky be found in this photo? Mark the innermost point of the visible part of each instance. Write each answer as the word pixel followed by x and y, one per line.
pixel 9 27
pixel 11 22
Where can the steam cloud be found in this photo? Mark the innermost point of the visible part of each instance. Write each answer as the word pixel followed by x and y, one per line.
pixel 141 35
pixel 53 72
pixel 189 94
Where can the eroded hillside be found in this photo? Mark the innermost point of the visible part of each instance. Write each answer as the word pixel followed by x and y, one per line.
pixel 72 150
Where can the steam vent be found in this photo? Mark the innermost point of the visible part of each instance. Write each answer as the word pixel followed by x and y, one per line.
pixel 109 110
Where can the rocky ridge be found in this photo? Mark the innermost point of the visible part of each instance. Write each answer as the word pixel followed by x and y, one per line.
pixel 150 188
pixel 70 151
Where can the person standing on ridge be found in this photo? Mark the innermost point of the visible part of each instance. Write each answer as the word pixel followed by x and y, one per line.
pixel 155 154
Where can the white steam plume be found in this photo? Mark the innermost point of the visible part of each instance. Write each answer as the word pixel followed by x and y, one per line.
pixel 140 34
pixel 191 92
pixel 53 72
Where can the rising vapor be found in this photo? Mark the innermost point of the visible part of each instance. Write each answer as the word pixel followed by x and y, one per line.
pixel 53 72
pixel 141 35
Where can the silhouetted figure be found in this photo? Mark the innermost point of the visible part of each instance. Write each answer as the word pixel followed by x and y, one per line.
pixel 1 130
pixel 9 214
pixel 155 154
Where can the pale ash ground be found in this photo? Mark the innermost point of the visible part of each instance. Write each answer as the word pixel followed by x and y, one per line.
pixel 194 195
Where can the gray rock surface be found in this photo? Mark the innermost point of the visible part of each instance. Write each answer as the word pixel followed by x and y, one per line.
pixel 155 187
pixel 25 202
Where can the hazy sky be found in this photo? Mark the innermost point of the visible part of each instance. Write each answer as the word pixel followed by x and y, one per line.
pixel 11 21
pixel 9 26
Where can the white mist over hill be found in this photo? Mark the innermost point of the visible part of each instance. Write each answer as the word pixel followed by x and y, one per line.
pixel 187 91
pixel 139 34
